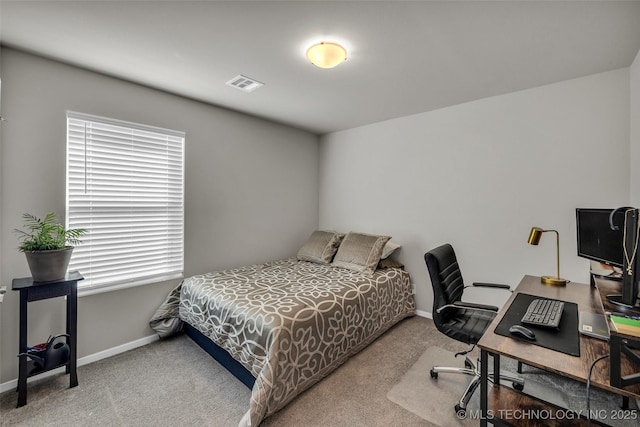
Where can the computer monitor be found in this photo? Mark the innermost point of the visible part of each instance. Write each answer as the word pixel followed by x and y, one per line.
pixel 596 240
pixel 602 235
pixel 631 267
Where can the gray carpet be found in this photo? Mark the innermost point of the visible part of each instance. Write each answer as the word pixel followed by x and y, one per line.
pixel 175 383
pixel 433 399
pixel 167 383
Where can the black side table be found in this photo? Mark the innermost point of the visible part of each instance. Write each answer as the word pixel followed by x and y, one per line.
pixel 35 291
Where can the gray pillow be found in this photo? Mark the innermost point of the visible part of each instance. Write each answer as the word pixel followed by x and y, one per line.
pixel 360 252
pixel 320 247
pixel 389 248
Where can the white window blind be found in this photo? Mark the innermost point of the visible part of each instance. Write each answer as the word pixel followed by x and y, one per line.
pixel 125 187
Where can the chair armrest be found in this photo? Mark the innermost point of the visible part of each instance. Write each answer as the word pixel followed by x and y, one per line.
pixel 491 285
pixel 472 305
pixel 466 304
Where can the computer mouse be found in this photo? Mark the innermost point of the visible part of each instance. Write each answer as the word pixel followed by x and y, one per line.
pixel 523 332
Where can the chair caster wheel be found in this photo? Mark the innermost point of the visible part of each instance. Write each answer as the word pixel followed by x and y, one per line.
pixel 433 373
pixel 468 364
pixel 518 386
pixel 461 412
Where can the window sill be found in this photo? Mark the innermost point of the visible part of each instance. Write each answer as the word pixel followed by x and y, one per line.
pixel 94 290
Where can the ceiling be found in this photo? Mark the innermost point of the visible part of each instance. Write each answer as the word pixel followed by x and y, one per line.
pixel 404 57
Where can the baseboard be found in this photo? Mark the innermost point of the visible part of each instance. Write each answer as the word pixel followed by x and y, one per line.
pixel 11 385
pixel 422 313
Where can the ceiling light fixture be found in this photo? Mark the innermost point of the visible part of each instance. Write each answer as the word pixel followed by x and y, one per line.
pixel 326 54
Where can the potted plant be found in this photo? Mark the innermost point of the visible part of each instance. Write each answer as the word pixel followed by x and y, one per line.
pixel 47 246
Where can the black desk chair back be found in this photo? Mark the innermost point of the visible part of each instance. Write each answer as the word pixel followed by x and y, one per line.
pixel 462 321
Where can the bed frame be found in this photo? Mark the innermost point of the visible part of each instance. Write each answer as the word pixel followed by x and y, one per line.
pixel 221 355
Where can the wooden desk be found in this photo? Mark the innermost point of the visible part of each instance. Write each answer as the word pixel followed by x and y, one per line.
pixel 502 400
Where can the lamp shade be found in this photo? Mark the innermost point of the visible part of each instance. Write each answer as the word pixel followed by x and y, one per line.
pixel 326 54
pixel 535 235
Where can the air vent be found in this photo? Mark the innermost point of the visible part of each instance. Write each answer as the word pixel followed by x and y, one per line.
pixel 244 83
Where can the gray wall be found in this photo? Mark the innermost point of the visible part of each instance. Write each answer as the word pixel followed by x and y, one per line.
pixel 634 158
pixel 251 190
pixel 480 174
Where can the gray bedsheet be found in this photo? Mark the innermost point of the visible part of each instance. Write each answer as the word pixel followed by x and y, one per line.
pixel 289 322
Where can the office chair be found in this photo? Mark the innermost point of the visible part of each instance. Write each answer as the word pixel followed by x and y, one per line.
pixel 462 321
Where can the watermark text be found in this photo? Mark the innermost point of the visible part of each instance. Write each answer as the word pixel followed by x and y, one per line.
pixel 553 414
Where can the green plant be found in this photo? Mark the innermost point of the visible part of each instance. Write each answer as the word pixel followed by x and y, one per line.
pixel 46 234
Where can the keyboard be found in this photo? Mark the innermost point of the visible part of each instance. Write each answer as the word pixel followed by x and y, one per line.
pixel 544 312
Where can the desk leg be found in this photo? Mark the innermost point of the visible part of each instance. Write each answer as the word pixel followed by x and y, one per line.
pixel 496 369
pixel 22 348
pixel 615 355
pixel 484 389
pixel 72 330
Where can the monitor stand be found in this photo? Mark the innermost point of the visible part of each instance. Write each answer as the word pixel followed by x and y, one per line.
pixel 616 300
pixel 614 275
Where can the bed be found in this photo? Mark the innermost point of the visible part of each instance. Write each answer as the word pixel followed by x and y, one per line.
pixel 291 322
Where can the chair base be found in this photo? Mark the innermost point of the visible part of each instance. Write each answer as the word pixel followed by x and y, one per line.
pixel 472 370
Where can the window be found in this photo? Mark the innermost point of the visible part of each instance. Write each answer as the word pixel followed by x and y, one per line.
pixel 125 187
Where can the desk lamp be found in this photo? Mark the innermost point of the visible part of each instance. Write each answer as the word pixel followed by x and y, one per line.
pixel 534 239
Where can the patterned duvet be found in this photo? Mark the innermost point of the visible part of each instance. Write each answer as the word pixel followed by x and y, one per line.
pixel 289 322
